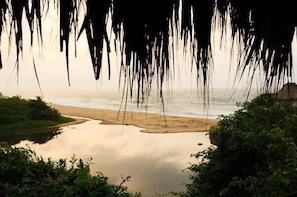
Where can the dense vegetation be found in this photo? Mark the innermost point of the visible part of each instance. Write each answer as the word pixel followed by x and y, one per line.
pixel 25 174
pixel 255 153
pixel 17 114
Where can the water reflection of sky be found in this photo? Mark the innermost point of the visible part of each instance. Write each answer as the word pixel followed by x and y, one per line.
pixel 155 162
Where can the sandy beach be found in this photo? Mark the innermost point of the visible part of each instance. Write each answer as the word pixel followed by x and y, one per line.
pixel 149 122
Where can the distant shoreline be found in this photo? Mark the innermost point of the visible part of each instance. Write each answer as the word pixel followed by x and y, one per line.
pixel 148 122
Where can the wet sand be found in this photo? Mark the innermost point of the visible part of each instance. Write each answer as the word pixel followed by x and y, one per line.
pixel 148 122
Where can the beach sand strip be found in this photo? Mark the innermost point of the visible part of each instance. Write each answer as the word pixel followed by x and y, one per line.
pixel 148 122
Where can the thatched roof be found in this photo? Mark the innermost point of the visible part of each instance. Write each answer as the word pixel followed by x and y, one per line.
pixel 143 30
pixel 288 92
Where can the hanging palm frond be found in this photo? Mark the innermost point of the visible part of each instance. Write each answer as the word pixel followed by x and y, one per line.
pixel 145 40
pixel 68 22
pixel 266 35
pixel 3 9
pixel 144 30
pixel 94 24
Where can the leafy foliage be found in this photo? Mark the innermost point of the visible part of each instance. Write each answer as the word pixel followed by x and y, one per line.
pixel 255 153
pixel 40 111
pixel 18 113
pixel 25 174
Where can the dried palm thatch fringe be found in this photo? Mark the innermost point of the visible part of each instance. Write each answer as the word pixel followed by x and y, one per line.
pixel 143 30
pixel 266 34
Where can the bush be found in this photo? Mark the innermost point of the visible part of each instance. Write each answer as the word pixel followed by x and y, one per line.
pixel 19 114
pixel 12 110
pixel 39 110
pixel 255 153
pixel 24 174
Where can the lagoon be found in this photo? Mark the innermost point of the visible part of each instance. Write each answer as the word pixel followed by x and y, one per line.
pixel 156 162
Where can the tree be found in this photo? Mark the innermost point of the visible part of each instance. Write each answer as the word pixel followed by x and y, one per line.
pixel 143 33
pixel 255 153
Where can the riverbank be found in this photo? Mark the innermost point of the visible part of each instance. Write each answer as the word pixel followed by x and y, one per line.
pixel 149 122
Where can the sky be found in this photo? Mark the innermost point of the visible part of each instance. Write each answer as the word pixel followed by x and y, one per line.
pixel 52 73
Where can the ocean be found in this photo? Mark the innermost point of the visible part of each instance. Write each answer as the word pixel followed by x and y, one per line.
pixel 187 103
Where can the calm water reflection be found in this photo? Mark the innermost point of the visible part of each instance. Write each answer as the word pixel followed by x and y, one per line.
pixel 154 161
pixel 33 135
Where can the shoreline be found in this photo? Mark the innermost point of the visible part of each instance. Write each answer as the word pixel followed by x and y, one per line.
pixel 147 122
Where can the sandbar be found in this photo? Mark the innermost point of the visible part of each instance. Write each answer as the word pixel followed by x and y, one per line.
pixel 148 122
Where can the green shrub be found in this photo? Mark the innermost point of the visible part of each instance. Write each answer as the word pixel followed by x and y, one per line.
pixel 18 114
pixel 12 109
pixel 24 174
pixel 39 110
